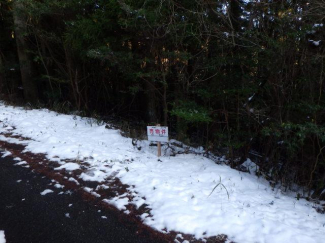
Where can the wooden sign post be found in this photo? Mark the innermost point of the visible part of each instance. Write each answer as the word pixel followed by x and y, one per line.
pixel 157 134
pixel 159 145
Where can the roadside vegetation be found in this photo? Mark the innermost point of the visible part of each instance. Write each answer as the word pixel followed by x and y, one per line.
pixel 241 78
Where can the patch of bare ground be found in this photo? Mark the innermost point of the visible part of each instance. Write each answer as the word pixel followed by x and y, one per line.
pixel 11 135
pixel 96 192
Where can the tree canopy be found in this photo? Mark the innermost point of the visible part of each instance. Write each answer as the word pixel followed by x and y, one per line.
pixel 241 77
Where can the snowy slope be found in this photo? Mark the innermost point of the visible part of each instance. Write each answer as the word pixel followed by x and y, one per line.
pixel 177 189
pixel 2 237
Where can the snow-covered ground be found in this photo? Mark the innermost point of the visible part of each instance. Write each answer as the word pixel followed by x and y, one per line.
pixel 2 237
pixel 186 193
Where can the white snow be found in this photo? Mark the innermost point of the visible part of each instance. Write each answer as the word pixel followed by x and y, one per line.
pixel 118 202
pixel 21 163
pixel 318 25
pixel 187 193
pixel 12 140
pixel 46 191
pixel 57 185
pixel 93 175
pixel 69 167
pixel 2 237
pixel 7 153
pixel 74 180
pixel 315 43
pixel 252 167
pixel 250 98
pixel 89 190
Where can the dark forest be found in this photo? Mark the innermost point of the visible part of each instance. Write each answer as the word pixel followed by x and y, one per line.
pixel 240 78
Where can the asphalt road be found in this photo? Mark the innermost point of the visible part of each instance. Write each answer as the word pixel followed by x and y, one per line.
pixel 27 216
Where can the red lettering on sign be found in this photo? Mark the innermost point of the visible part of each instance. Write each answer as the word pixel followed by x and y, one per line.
pixel 157 131
pixel 151 131
pixel 163 131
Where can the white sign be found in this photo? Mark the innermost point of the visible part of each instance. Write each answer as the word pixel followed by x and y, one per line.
pixel 157 134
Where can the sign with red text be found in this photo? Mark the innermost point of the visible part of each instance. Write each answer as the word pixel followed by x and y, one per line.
pixel 157 134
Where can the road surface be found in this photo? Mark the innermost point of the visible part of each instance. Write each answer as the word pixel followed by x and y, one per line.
pixel 26 216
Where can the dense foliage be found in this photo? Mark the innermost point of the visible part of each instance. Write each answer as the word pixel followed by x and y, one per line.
pixel 245 77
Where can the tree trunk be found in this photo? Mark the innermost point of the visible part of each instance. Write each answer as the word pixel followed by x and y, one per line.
pixel 25 62
pixel 165 106
pixel 1 75
pixel 151 103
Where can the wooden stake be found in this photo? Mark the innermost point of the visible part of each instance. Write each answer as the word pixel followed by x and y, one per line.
pixel 159 145
pixel 159 149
